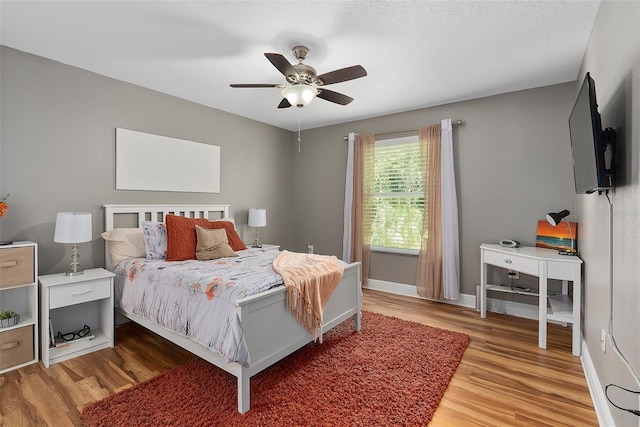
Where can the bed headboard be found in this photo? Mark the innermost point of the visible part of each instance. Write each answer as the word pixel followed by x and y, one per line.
pixel 158 213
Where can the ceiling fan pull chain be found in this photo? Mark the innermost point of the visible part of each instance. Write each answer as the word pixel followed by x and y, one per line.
pixel 299 139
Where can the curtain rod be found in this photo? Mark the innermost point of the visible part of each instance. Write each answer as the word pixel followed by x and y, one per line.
pixel 458 122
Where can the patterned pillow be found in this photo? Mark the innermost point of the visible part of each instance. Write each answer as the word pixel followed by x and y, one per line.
pixel 155 239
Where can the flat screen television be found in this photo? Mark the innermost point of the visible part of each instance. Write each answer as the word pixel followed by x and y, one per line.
pixel 592 149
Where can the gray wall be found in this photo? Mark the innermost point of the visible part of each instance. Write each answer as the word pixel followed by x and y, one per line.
pixel 513 165
pixel 57 153
pixel 613 59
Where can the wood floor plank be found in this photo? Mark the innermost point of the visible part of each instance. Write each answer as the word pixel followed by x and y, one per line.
pixel 504 378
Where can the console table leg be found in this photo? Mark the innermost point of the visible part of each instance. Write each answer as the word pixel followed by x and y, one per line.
pixel 483 286
pixel 542 306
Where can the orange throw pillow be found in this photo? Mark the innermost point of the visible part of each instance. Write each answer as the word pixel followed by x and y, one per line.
pixel 182 240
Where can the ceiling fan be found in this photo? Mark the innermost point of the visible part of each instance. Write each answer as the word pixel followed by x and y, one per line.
pixel 304 84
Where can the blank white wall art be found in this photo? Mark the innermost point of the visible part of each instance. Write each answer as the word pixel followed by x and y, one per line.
pixel 160 163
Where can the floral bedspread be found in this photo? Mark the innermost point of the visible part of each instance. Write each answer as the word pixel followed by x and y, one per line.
pixel 196 298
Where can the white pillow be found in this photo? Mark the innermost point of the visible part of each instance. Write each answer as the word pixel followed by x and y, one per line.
pixel 125 243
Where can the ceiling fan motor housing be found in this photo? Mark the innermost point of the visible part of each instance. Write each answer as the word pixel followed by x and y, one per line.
pixel 306 73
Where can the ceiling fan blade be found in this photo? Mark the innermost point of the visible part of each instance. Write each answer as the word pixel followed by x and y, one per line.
pixel 284 66
pixel 257 85
pixel 332 96
pixel 342 75
pixel 284 103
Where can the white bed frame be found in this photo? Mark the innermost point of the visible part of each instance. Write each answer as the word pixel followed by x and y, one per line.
pixel 270 331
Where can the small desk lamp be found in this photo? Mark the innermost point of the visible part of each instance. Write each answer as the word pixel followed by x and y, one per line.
pixel 73 227
pixel 555 219
pixel 257 219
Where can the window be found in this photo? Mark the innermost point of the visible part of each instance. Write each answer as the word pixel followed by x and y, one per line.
pixel 398 196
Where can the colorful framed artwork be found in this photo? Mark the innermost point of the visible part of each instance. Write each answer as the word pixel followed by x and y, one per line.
pixel 563 237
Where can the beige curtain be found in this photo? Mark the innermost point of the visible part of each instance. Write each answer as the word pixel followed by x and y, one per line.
pixel 361 219
pixel 429 272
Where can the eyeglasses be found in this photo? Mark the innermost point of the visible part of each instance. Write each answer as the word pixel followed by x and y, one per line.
pixel 73 335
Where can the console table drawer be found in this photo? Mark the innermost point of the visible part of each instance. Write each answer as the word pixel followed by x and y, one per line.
pixel 512 262
pixel 77 293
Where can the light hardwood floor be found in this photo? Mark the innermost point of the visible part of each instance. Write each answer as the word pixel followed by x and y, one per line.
pixel 504 379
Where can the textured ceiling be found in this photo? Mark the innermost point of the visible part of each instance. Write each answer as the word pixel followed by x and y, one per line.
pixel 417 53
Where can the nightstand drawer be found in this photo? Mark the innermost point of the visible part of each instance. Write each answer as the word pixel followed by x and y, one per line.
pixel 77 293
pixel 16 267
pixel 16 346
pixel 512 262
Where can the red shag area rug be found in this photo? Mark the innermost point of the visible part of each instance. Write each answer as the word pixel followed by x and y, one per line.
pixel 392 372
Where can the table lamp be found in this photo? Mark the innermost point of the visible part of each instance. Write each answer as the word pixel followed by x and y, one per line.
pixel 555 219
pixel 257 219
pixel 73 227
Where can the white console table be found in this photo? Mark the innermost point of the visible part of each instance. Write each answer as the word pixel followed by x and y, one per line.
pixel 545 264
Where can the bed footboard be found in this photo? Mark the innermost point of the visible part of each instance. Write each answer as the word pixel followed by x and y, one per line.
pixel 272 333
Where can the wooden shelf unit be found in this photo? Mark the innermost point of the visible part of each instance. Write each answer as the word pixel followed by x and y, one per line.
pixel 19 293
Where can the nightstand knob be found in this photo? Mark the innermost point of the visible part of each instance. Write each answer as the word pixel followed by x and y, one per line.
pixel 508 261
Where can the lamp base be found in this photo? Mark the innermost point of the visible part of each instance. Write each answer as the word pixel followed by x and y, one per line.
pixel 256 242
pixel 74 269
pixel 6 242
pixel 74 273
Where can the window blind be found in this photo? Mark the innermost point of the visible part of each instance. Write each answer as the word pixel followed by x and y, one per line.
pixel 398 194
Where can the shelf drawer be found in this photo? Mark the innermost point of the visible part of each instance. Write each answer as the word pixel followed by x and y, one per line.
pixel 78 293
pixel 16 346
pixel 512 262
pixel 16 267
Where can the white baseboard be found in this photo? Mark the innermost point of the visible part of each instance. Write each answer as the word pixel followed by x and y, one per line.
pixel 600 404
pixel 521 310
pixel 493 304
pixel 465 300
pixel 513 308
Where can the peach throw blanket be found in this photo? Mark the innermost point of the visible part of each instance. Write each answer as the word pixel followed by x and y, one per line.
pixel 310 280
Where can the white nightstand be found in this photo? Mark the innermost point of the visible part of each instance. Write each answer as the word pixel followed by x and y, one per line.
pixel 70 303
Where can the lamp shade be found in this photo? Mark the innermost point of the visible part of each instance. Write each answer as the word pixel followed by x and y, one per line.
pixel 73 227
pixel 257 218
pixel 555 218
pixel 300 94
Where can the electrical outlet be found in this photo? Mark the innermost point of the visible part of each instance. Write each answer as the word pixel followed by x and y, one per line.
pixel 513 274
pixel 603 341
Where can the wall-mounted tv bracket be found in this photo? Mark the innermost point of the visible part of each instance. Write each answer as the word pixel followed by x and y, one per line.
pixel 609 149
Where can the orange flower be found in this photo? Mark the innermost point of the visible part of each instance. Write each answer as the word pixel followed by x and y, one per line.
pixel 3 205
pixel 212 287
pixel 133 271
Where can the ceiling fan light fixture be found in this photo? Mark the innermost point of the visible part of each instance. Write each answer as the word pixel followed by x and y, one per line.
pixel 299 95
